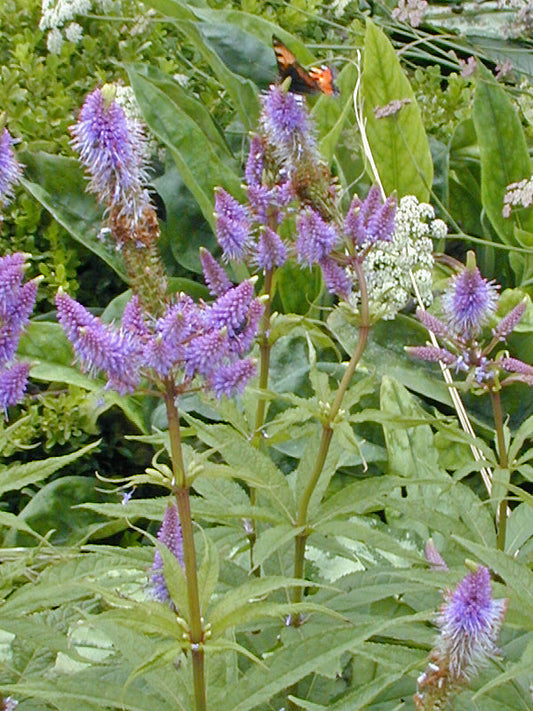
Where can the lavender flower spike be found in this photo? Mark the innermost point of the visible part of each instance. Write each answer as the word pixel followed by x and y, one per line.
pixel 169 535
pixel 215 277
pixel 469 301
pixel 316 237
pixel 10 170
pixel 470 622
pixel 112 148
pixel 370 220
pixel 13 381
pixel 232 225
pixel 287 126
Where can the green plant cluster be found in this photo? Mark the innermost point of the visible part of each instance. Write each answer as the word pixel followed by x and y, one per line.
pixel 313 587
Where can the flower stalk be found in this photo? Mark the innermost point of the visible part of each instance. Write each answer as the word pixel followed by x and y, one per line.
pixel 181 491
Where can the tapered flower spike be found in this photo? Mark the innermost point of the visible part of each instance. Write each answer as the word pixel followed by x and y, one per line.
pixel 316 237
pixel 170 536
pixel 231 224
pixel 287 126
pixel 370 220
pixel 215 277
pixel 10 170
pixel 469 301
pixel 13 382
pixel 111 147
pixel 470 621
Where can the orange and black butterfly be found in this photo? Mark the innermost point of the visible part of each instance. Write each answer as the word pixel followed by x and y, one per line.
pixel 303 81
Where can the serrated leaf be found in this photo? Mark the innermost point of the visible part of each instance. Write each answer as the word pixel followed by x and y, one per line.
pixel 17 476
pixel 398 143
pixel 272 539
pixel 208 573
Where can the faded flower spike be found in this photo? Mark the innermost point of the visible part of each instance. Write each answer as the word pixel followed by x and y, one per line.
pixel 470 622
pixel 10 170
pixel 111 147
pixel 170 536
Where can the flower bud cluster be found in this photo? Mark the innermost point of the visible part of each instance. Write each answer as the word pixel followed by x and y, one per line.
pixel 468 304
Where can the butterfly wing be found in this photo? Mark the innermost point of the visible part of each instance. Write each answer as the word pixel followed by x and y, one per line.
pixel 302 82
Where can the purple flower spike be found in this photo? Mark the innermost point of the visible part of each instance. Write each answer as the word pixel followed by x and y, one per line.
pixel 99 346
pixel 470 622
pixel 10 170
pixel 510 322
pixel 270 251
pixel 370 220
pixel 432 354
pixel 469 301
pixel 215 277
pixel 335 278
pixel 169 535
pixel 254 164
pixel 287 125
pixel 232 225
pixel 231 379
pixel 316 237
pixel 112 149
pixel 230 311
pixel 13 383
pixel 133 319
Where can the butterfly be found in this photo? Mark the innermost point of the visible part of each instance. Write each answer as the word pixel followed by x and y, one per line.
pixel 303 81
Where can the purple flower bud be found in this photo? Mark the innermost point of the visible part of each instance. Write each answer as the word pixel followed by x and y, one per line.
pixel 370 220
pixel 468 302
pixel 270 251
pixel 335 278
pixel 524 371
pixel 433 556
pixel 13 381
pixel 232 225
pixel 470 622
pixel 432 354
pixel 510 322
pixel 169 535
pixel 215 277
pixel 316 237
pixel 255 162
pixel 433 324
pixel 15 312
pixel 112 148
pixel 231 379
pixel 10 170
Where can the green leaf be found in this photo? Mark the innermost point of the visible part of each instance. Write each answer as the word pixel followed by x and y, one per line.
pixel 398 143
pixel 196 154
pixel 503 152
pixel 243 93
pixel 208 573
pixel 58 184
pixel 17 476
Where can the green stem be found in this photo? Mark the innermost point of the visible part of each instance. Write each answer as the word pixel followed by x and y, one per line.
pixel 182 494
pixel 264 369
pixel 327 432
pixel 504 463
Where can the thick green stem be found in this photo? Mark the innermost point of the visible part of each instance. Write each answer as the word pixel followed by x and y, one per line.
pixel 182 494
pixel 504 463
pixel 327 432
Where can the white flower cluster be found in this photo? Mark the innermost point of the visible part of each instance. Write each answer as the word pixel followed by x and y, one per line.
pixel 59 14
pixel 390 267
pixel 520 193
pixel 125 98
